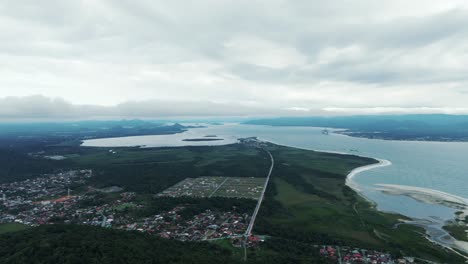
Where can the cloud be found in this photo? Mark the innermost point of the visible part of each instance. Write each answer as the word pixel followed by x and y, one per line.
pixel 299 109
pixel 397 110
pixel 239 57
pixel 39 107
pixel 261 52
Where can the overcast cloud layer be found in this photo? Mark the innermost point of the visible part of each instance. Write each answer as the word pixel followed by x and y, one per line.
pixel 148 58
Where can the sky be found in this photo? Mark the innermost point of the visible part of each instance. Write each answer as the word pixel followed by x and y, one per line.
pixel 155 59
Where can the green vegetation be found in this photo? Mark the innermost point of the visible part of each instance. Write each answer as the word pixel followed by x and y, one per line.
pixel 277 250
pixel 307 201
pixel 124 207
pixel 195 205
pixel 74 244
pixel 459 232
pixel 151 170
pixel 86 244
pixel 16 166
pixel 13 227
pixel 38 135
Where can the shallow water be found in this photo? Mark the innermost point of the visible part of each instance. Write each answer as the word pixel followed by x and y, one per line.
pixel 433 165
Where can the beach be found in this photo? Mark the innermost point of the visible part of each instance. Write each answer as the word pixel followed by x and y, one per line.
pixel 434 230
pixel 349 179
pixel 425 195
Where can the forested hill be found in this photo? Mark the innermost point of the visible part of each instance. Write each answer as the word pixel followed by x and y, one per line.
pixel 70 244
pixel 36 136
pixel 400 127
pixel 75 244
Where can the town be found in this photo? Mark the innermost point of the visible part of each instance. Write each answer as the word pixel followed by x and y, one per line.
pixel 46 189
pixel 350 255
pixel 48 200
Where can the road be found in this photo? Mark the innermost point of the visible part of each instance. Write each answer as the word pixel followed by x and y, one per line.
pixel 218 187
pixel 339 255
pixel 248 232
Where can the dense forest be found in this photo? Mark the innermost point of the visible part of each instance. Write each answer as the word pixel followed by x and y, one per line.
pixel 17 166
pixel 70 244
pixel 152 170
pixel 20 143
pixel 74 244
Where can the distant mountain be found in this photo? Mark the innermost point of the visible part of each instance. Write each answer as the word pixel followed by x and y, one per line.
pixel 35 136
pixel 399 127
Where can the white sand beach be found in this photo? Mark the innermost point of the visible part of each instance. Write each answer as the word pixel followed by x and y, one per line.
pixel 349 179
pixel 430 196
pixel 425 195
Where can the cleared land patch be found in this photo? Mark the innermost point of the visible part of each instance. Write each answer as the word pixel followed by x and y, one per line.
pixel 12 227
pixel 232 187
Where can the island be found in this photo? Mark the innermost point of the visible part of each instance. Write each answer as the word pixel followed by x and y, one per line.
pixel 203 139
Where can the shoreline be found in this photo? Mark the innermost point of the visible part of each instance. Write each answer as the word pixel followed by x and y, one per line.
pixel 434 233
pixel 343 132
pixel 349 181
pixel 424 195
pixel 352 174
pixel 359 135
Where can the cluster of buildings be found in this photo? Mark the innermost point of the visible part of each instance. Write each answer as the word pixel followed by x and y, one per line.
pixel 212 186
pixel 106 215
pixel 47 188
pixel 208 225
pixel 349 255
pixel 47 200
pixel 251 141
pixel 39 213
pixel 196 187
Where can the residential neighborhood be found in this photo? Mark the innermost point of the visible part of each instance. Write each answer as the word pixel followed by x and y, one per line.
pixel 350 255
pixel 48 200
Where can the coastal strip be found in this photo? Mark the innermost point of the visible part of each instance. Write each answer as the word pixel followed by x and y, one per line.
pixel 434 233
pixel 424 195
pixel 349 178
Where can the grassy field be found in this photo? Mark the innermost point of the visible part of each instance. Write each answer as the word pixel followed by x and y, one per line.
pixel 307 200
pixel 13 227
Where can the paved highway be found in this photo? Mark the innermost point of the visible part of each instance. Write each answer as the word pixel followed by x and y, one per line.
pixel 248 232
